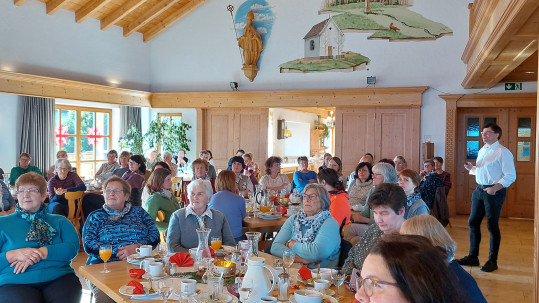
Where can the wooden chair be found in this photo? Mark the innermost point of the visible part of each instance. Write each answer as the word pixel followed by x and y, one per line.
pixel 75 215
pixel 161 218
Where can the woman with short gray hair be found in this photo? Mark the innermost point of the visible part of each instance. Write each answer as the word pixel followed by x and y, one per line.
pixel 312 234
pixel 183 223
pixel 63 181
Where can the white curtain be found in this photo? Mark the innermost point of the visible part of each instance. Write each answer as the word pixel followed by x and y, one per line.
pixel 129 116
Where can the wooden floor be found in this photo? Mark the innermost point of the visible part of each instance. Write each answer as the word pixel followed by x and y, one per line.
pixel 512 282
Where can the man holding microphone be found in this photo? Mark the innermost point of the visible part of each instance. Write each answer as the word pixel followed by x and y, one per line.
pixel 494 172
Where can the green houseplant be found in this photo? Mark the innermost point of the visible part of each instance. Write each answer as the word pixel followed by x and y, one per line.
pixel 171 136
pixel 132 140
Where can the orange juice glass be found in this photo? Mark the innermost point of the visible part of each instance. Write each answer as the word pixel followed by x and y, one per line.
pixel 265 209
pixel 105 252
pixel 216 243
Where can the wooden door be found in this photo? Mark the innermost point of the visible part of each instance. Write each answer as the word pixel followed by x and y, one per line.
pixel 227 130
pixel 518 135
pixel 385 133
pixel 521 136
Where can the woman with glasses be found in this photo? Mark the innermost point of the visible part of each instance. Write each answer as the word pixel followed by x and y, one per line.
pixel 312 234
pixel 274 180
pixel 63 181
pixel 406 269
pixel 23 168
pixel 37 249
pixel 430 228
pixel 120 224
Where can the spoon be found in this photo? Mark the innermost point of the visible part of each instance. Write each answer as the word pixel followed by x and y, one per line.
pixel 151 287
pixel 318 271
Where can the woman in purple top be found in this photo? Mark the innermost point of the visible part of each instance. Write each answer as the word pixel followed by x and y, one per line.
pixel 135 177
pixel 63 181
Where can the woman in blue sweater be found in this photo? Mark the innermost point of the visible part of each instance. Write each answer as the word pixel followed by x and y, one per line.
pixel 312 233
pixel 120 224
pixel 36 249
pixel 303 176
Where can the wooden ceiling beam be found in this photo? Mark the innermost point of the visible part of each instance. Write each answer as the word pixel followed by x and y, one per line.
pixel 54 5
pixel 119 13
pixel 18 2
pixel 148 16
pixel 88 9
pixel 31 85
pixel 168 21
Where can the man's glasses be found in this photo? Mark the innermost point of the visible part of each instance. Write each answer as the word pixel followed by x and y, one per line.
pixel 369 284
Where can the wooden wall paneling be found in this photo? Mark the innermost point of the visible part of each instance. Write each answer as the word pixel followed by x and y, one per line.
pixel 536 210
pixel 253 132
pixel 450 152
pixel 354 129
pixel 219 133
pixel 200 136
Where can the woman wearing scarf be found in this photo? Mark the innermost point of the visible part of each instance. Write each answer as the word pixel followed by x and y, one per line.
pixel 36 249
pixel 409 180
pixel 135 177
pixel 161 197
pixel 312 233
pixel 120 224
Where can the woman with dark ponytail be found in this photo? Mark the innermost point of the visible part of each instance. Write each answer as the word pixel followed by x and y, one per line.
pixel 339 208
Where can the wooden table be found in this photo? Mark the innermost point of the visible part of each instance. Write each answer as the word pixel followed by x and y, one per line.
pixel 263 226
pixel 110 283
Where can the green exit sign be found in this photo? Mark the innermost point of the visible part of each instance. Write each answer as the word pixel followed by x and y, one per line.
pixel 513 86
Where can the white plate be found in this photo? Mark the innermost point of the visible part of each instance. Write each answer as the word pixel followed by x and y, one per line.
pixel 205 298
pixel 325 298
pixel 227 248
pixel 128 291
pixel 304 282
pixel 328 292
pixel 135 258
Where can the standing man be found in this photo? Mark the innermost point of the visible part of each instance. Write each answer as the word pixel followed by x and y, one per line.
pixel 494 172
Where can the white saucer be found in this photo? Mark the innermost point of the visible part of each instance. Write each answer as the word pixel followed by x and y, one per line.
pixel 325 298
pixel 128 291
pixel 205 298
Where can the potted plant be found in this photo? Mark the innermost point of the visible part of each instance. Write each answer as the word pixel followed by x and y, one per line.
pixel 132 140
pixel 170 136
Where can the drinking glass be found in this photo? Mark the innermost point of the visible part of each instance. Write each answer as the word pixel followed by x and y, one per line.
pixel 162 250
pixel 288 258
pixel 165 289
pixel 246 291
pixel 337 276
pixel 105 252
pixel 216 242
pixel 248 207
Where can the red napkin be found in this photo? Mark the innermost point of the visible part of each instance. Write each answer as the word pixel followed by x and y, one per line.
pixel 305 273
pixel 274 199
pixel 182 259
pixel 136 273
pixel 287 196
pixel 212 252
pixel 139 289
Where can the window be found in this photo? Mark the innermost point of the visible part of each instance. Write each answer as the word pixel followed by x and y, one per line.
pixel 170 118
pixel 84 133
pixel 311 45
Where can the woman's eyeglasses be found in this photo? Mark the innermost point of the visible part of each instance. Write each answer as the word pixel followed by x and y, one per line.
pixel 369 284
pixel 31 191
pixel 115 191
pixel 310 197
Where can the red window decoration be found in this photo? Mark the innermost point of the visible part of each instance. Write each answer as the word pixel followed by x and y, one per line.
pixel 94 136
pixel 61 135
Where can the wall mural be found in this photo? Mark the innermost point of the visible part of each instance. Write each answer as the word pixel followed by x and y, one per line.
pixel 386 19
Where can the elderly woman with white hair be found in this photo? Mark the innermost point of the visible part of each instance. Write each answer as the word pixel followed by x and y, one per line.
pixel 312 234
pixel 63 181
pixel 183 223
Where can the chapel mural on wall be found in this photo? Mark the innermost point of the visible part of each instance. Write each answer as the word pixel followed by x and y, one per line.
pixel 386 19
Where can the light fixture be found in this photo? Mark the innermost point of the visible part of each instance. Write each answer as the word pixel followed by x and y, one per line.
pixel 282 132
pixel 330 121
pixel 234 86
pixel 287 133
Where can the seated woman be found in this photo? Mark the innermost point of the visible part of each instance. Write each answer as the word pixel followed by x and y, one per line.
pixel 303 176
pixel 251 168
pixel 23 168
pixel 245 186
pixel 406 268
pixel 120 224
pixel 339 208
pixel 161 198
pixel 429 227
pixel 273 179
pixel 360 185
pixel 65 180
pixel 409 180
pixel 145 191
pixel 400 163
pixel 312 233
pixel 36 249
pixel 184 222
pixel 443 175
pixel 124 164
pixel 227 201
pixel 167 158
pixel 200 172
pixel 135 177
pixel 7 203
pixel 336 164
pixel 327 157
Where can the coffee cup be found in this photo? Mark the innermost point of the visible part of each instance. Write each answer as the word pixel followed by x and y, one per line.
pixel 321 285
pixel 145 264
pixel 144 250
pixel 188 286
pixel 268 299
pixel 156 269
